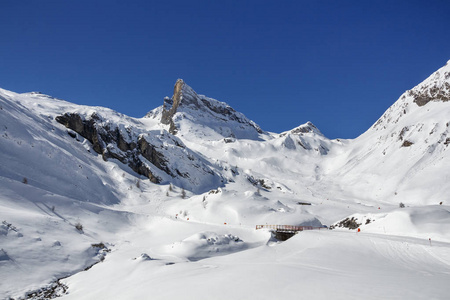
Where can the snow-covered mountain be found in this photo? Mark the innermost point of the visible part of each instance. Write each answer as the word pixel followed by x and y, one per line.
pixel 404 156
pixel 173 199
pixel 202 117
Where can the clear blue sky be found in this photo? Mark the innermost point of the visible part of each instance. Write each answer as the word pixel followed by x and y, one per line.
pixel 339 64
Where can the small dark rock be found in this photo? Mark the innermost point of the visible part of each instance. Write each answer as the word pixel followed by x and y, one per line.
pixel 407 143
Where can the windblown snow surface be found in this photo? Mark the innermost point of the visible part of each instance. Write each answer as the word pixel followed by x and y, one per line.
pixel 80 226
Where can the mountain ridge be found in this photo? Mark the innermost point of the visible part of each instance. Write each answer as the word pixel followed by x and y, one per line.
pixel 77 181
pixel 186 106
pixel 408 139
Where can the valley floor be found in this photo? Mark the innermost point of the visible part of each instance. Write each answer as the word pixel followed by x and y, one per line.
pixel 153 253
pixel 316 264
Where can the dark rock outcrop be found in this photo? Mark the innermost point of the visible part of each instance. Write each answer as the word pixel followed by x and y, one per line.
pixel 104 138
pixel 434 93
pixel 435 88
pixel 350 223
pixel 86 129
pixel 157 155
pixel 171 105
pixel 407 143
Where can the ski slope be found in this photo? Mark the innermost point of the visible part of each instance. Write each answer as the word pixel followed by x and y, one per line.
pixel 319 265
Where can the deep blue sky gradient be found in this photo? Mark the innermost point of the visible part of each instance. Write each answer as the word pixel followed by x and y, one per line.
pixel 339 64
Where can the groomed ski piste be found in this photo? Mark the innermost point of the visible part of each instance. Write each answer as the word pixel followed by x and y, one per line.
pixel 82 225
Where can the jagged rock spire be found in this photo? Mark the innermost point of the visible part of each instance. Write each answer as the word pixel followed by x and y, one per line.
pixel 171 105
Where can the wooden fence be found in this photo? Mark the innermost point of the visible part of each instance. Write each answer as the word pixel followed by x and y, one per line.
pixel 288 228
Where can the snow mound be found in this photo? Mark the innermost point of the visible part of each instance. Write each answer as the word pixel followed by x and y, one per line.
pixel 206 244
pixel 424 222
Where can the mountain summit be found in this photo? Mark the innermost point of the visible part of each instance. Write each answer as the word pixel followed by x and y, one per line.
pixel 434 88
pixel 188 112
pixel 406 147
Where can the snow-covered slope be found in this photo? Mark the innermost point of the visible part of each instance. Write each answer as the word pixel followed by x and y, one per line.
pixel 171 200
pixel 405 155
pixel 32 147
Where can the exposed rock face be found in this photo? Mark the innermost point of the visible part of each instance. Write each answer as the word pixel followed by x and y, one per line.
pixel 155 154
pixel 435 93
pixel 434 88
pixel 171 105
pixel 219 117
pixel 102 136
pixel 84 128
pixel 347 223
pixel 407 143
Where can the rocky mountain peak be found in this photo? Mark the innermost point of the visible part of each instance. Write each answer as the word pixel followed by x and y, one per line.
pixel 408 110
pixel 187 108
pixel 308 127
pixel 170 105
pixel 435 88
